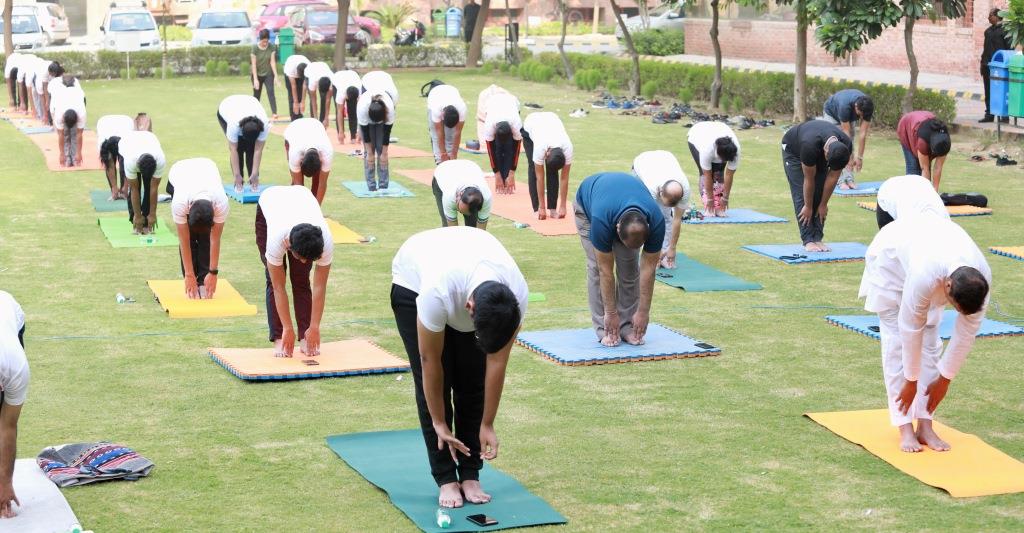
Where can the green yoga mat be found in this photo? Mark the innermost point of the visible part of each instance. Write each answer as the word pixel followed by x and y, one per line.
pixel 693 276
pixel 396 462
pixel 119 232
pixel 101 202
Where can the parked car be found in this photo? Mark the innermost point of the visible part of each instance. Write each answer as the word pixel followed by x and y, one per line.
pixel 26 33
pixel 664 18
pixel 222 27
pixel 179 11
pixel 319 24
pixel 371 26
pixel 129 17
pixel 275 14
pixel 51 18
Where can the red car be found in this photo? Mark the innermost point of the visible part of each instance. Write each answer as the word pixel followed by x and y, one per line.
pixel 319 24
pixel 275 15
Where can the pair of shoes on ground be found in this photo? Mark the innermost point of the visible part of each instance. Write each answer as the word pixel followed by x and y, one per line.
pixel 578 113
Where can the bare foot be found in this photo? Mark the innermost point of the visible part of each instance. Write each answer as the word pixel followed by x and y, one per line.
pixel 474 492
pixel 926 435
pixel 540 214
pixel 846 186
pixel 279 348
pixel 610 340
pixel 823 247
pixel 238 186
pixel 450 496
pixel 254 183
pixel 811 247
pixel 302 347
pixel 137 230
pixel 552 213
pixel 908 440
pixel 633 339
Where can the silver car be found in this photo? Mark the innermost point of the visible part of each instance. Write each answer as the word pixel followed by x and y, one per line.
pixel 26 33
pixel 222 27
pixel 664 18
pixel 51 18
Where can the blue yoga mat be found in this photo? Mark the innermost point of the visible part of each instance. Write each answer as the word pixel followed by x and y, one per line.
pixel 581 346
pixel 867 188
pixel 33 130
pixel 863 323
pixel 737 216
pixel 246 196
pixel 694 276
pixel 396 462
pixel 794 254
pixel 394 190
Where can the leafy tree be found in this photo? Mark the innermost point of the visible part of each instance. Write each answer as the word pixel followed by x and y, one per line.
pixel 1013 22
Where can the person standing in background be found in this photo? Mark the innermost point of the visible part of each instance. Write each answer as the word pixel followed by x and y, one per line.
pixel 995 40
pixel 469 15
pixel 263 58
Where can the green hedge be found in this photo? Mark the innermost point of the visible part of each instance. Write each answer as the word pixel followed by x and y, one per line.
pixel 658 43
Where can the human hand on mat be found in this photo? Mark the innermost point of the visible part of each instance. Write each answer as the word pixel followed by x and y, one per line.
pixel 906 396
pixel 78 160
pixel 936 392
pixel 7 500
pixel 191 287
pixel 804 216
pixel 287 343
pixel 488 443
pixel 210 285
pixel 312 341
pixel 560 213
pixel 444 436
pixel 541 214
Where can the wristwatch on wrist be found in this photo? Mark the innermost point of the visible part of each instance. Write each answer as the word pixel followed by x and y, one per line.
pixel 214 271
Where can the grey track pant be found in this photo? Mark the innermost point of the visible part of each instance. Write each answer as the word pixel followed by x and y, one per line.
pixel 449 139
pixel 814 231
pixel 627 279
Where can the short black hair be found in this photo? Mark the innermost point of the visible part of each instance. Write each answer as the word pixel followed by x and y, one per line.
pixel 726 149
pixel 496 315
pixel 473 198
pixel 307 241
pixel 555 159
pixel 866 106
pixel 352 93
pixel 968 288
pixel 311 163
pixel 251 128
pixel 70 118
pixel 146 165
pixel 451 116
pixel 502 131
pixel 633 223
pixel 108 150
pixel 301 70
pixel 55 70
pixel 200 217
pixel 378 111
pixel 838 155
pixel 264 34
pixel 324 84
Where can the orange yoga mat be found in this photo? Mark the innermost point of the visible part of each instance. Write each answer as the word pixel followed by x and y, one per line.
pixel 970 468
pixel 394 150
pixel 954 210
pixel 336 359
pixel 47 143
pixel 10 114
pixel 515 207
pixel 225 302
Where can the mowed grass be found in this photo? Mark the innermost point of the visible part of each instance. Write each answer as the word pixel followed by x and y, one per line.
pixel 711 443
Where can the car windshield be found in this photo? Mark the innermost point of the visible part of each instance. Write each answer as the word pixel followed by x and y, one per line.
pixel 223 20
pixel 22 24
pixel 322 18
pixel 131 22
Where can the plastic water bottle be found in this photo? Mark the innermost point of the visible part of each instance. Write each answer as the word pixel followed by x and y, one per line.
pixel 120 299
pixel 444 520
pixel 521 225
pixel 371 239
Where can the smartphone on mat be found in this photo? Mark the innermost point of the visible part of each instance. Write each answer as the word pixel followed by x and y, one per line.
pixel 704 345
pixel 310 362
pixel 481 520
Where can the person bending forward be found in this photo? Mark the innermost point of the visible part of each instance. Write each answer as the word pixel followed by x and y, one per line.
pixel 660 172
pixel 199 208
pixel 813 154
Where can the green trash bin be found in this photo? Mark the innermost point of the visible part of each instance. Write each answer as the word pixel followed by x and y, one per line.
pixel 437 16
pixel 1016 107
pixel 285 44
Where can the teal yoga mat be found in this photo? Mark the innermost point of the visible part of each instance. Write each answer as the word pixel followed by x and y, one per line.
pixel 694 276
pixel 101 202
pixel 394 190
pixel 119 232
pixel 396 462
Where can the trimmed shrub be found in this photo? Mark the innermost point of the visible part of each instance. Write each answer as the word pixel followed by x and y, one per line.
pixel 658 42
pixel 612 84
pixel 685 95
pixel 648 89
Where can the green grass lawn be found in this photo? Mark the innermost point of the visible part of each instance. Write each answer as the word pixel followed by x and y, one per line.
pixel 710 443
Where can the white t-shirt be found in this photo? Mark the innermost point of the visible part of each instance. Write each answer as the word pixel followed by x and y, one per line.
pixel 291 65
pixel 342 80
pixel 134 145
pixel 456 174
pixel 286 207
pixel 197 179
pixel 14 374
pixel 363 107
pixel 656 167
pixel 906 196
pixel 237 107
pixel 315 71
pixel 443 96
pixel 11 63
pixel 703 136
pixel 547 131
pixel 501 107
pixel 306 133
pixel 66 99
pixel 444 266
pixel 112 126
pixel 380 81
pixel 57 84
pixel 24 65
pixel 42 78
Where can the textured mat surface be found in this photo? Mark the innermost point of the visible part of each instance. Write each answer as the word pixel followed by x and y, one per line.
pixel 867 188
pixel 868 325
pixel 794 254
pixel 394 150
pixel 225 302
pixel 737 216
pixel 694 276
pixel 246 196
pixel 581 347
pixel 102 203
pixel 1014 252
pixel 43 508
pixel 47 144
pixel 336 359
pixel 118 231
pixel 394 190
pixel 342 234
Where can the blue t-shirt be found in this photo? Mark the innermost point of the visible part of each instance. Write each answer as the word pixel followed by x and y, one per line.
pixel 605 197
pixel 840 105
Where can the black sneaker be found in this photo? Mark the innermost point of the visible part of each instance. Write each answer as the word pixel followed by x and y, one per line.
pixel 1004 120
pixel 987 118
pixel 1004 162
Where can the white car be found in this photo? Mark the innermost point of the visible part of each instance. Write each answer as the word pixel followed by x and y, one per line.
pixel 222 27
pixel 665 18
pixel 51 18
pixel 135 20
pixel 26 32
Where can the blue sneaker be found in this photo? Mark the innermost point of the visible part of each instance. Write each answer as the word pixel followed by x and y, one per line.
pixel 612 104
pixel 628 105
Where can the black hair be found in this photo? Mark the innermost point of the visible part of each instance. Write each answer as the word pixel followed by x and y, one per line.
pixel 311 164
pixel 968 288
pixel 264 34
pixel 352 93
pixel 473 198
pixel 307 241
pixel 251 128
pixel 502 131
pixel 108 150
pixel 838 155
pixel 55 70
pixel 939 141
pixel 451 116
pixel 496 315
pixel 301 70
pixel 866 106
pixel 200 217
pixel 633 223
pixel 146 165
pixel 726 149
pixel 70 118
pixel 378 111
pixel 324 84
pixel 555 159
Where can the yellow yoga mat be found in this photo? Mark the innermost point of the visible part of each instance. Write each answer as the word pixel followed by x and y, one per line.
pixel 336 359
pixel 954 210
pixel 225 302
pixel 970 468
pixel 342 234
pixel 1015 252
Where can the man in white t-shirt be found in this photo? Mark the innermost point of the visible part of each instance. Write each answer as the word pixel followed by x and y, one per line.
pixel 36 82
pixel 346 85
pixel 446 117
pixel 14 378
pixel 501 130
pixel 289 224
pixel 460 187
pixel 318 80
pixel 716 152
pixel 109 130
pixel 459 300
pixel 143 161
pixel 375 112
pixel 295 82
pixel 245 124
pixel 667 183
pixel 11 79
pixel 47 72
pixel 68 108
pixel 549 154
pixel 310 154
pixel 199 208
pixel 906 196
pixel 24 64
pixel 378 81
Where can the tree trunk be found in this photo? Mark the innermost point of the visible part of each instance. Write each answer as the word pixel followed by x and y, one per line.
pixel 340 43
pixel 514 44
pixel 716 84
pixel 476 42
pixel 570 74
pixel 800 79
pixel 634 82
pixel 8 38
pixel 908 38
pixel 645 18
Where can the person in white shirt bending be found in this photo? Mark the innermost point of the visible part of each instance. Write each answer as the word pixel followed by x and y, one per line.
pixel 460 187
pixel 446 117
pixel 346 86
pixel 310 154
pixel 375 111
pixel 199 208
pixel 143 161
pixel 14 377
pixel 318 85
pixel 667 183
pixel 246 126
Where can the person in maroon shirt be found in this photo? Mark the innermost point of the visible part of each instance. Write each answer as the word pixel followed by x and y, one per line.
pixel 925 141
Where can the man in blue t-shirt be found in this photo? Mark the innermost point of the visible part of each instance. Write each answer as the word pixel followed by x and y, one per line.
pixel 616 217
pixel 843 109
